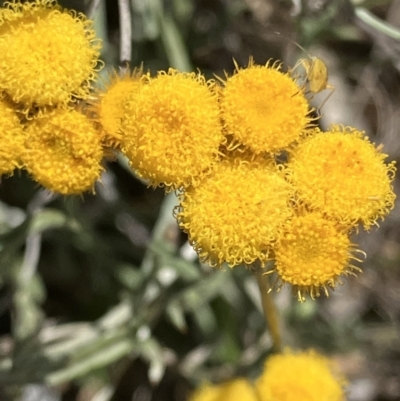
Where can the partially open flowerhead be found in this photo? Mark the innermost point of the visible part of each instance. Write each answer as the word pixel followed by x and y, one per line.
pixel 236 213
pixel 172 130
pixel 11 139
pixel 49 55
pixel 342 174
pixel 263 107
pixel 239 389
pixel 110 101
pixel 312 254
pixel 300 376
pixel 63 152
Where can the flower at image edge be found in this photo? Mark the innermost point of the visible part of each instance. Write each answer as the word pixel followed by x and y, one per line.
pixel 172 130
pixel 312 253
pixel 300 376
pixel 64 152
pixel 234 390
pixel 49 55
pixel 236 213
pixel 11 139
pixel 263 108
pixel 342 174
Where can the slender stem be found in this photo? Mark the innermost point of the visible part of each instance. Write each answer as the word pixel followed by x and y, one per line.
pixel 34 240
pixel 125 26
pixel 374 22
pixel 94 5
pixel 269 308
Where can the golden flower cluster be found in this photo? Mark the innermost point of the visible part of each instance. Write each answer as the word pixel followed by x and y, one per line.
pixel 282 190
pixel 49 58
pixel 256 180
pixel 300 376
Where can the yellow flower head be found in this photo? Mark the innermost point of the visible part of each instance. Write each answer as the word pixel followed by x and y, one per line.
pixel 343 175
pixel 109 108
pixel 233 390
pixel 300 376
pixel 235 214
pixel 172 129
pixel 64 152
pixel 312 253
pixel 264 108
pixel 49 55
pixel 11 139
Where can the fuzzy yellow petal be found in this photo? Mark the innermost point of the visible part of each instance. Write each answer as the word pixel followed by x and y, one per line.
pixel 235 214
pixel 49 55
pixel 300 376
pixel 64 152
pixel 263 108
pixel 342 174
pixel 172 129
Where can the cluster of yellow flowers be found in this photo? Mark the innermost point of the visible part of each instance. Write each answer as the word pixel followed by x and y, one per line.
pixel 288 376
pixel 256 179
pixel 49 56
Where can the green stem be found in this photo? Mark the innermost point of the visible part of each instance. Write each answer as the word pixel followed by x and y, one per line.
pixel 269 308
pixel 381 26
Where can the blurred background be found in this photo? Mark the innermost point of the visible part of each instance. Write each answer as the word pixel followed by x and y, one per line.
pixel 102 298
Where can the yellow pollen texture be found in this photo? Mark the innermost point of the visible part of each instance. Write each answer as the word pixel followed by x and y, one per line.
pixel 11 139
pixel 64 152
pixel 235 214
pixel 234 390
pixel 299 376
pixel 264 108
pixel 312 253
pixel 172 130
pixel 49 56
pixel 343 175
pixel 110 106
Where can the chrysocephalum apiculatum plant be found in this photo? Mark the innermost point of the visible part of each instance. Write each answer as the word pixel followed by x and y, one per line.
pixel 306 375
pixel 258 184
pixel 239 389
pixel 58 70
pixel 172 130
pixel 63 152
pixel 108 104
pixel 286 376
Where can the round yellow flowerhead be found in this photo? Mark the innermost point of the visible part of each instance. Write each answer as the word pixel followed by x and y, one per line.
pixel 64 152
pixel 11 139
pixel 236 213
pixel 109 108
pixel 300 376
pixel 312 253
pixel 342 174
pixel 172 129
pixel 234 390
pixel 264 108
pixel 49 55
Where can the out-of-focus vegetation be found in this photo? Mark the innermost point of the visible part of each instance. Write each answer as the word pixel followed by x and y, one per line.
pixel 102 298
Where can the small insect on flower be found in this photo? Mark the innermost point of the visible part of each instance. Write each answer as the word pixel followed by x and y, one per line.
pixel 316 78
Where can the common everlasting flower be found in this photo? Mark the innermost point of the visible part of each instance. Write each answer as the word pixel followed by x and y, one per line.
pixel 342 174
pixel 110 103
pixel 64 152
pixel 172 129
pixel 300 376
pixel 312 254
pixel 11 139
pixel 264 108
pixel 234 390
pixel 236 213
pixel 49 55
